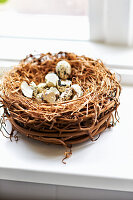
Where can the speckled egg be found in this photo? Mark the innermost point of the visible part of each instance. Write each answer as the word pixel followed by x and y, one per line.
pixel 63 69
pixel 63 84
pixel 26 89
pixel 51 79
pixel 49 96
pixel 54 89
pixel 32 85
pixel 34 88
pixel 39 96
pixel 41 87
pixel 75 97
pixel 66 95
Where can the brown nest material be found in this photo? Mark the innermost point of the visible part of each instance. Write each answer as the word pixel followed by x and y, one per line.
pixel 68 122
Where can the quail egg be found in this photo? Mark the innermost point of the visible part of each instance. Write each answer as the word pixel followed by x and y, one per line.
pixel 54 89
pixel 41 87
pixel 32 85
pixel 1 111
pixel 63 84
pixel 75 97
pixel 39 96
pixel 63 69
pixel 26 89
pixel 77 90
pixel 49 96
pixel 34 88
pixel 66 95
pixel 51 79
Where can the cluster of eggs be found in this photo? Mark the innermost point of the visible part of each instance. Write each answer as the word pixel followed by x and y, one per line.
pixel 57 86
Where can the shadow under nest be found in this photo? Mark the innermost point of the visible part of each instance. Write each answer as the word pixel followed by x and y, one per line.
pixel 69 122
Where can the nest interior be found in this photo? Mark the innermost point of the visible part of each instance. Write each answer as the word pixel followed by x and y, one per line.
pixel 68 122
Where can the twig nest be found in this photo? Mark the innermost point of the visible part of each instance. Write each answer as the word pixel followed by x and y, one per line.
pixel 26 89
pixel 51 79
pixel 63 69
pixel 66 119
pixel 66 95
pixel 63 84
pixel 77 90
pixel 49 96
pixel 41 87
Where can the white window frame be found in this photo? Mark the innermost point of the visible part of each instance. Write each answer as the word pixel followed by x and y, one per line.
pixel 111 21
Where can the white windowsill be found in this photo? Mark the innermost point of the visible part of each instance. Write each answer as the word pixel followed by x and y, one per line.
pixel 18 48
pixel 12 50
pixel 104 164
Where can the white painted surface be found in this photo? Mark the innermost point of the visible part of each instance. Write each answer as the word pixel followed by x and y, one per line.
pixel 117 21
pixel 131 23
pixel 105 164
pixel 12 190
pixel 111 21
pixel 16 49
pixel 35 191
pixel 96 20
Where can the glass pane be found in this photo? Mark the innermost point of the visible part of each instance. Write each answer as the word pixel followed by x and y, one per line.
pixel 45 19
pixel 51 7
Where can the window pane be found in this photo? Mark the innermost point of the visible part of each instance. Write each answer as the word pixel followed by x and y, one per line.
pixel 45 19
pixel 52 7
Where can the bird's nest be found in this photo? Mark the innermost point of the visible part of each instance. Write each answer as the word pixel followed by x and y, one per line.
pixel 69 122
